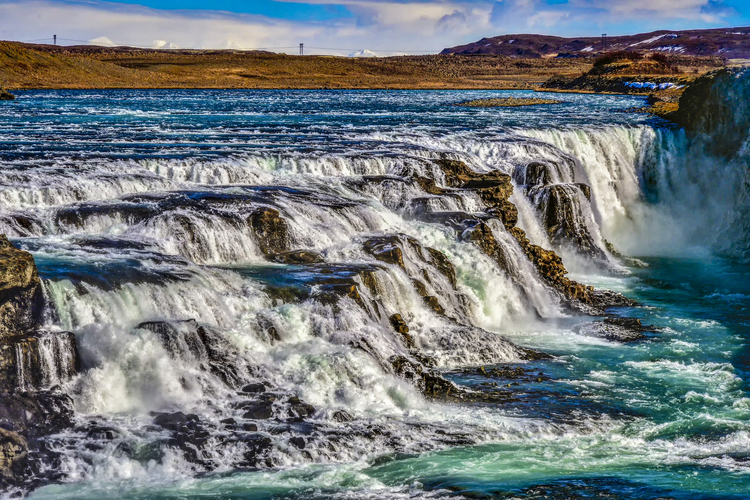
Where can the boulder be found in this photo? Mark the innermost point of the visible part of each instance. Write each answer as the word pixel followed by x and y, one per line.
pixel 35 414
pixel 386 249
pixel 270 229
pixel 300 409
pixel 297 257
pixel 494 188
pixel 400 326
pixel 434 386
pixel 13 450
pixel 255 388
pixel 391 250
pixel 615 328
pixel 30 358
pixel 21 300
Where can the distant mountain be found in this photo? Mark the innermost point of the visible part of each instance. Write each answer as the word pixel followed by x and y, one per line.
pixel 363 53
pixel 732 43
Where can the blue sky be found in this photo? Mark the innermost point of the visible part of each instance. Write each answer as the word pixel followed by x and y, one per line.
pixel 344 26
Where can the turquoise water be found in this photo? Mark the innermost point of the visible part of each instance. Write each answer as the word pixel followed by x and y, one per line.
pixel 663 417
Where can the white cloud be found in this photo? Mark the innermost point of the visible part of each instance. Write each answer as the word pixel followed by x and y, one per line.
pixel 389 26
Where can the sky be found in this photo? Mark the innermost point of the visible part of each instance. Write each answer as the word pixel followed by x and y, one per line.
pixel 343 27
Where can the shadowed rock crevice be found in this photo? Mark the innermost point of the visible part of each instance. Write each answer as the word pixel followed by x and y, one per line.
pixel 564 207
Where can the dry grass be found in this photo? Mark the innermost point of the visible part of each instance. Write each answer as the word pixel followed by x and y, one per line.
pixel 27 66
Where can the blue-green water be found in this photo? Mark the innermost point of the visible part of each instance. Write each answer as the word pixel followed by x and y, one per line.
pixel 664 417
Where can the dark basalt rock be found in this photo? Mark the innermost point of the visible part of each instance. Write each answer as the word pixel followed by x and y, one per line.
pixel 127 211
pixel 563 218
pixel 257 448
pixel 173 421
pixel 24 349
pixel 325 283
pixel 187 433
pixel 6 96
pixel 341 416
pixel 552 270
pixel 297 257
pixel 386 249
pixel 715 106
pixel 434 386
pixel 101 432
pixel 430 383
pixel 398 324
pixel 440 262
pixel 256 388
pixel 35 414
pixel 189 340
pixel 25 354
pixel 562 204
pixel 494 188
pixel 617 328
pixel 534 174
pixel 258 410
pixel 458 221
pixel 299 408
pixel 24 225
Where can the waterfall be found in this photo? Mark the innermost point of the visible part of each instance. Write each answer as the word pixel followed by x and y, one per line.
pixel 22 362
pixel 311 298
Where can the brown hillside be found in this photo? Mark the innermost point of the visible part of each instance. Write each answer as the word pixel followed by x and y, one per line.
pixel 730 43
pixel 44 66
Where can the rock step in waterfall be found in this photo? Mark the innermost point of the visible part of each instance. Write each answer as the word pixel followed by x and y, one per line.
pixel 37 362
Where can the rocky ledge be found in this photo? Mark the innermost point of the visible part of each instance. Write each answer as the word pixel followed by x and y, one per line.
pixel 495 189
pixel 6 96
pixel 714 107
pixel 30 360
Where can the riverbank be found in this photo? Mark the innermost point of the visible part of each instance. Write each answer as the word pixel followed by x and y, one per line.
pixel 28 66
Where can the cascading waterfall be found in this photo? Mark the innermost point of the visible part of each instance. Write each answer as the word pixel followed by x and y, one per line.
pixel 329 307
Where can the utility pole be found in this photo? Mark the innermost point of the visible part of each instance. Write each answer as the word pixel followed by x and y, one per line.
pixel 54 37
pixel 301 51
pixel 604 41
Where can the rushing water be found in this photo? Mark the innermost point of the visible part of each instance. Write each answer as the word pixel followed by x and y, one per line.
pixel 114 192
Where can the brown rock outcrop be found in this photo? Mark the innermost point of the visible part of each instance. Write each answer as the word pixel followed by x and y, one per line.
pixel 271 231
pixel 495 189
pixel 13 450
pixel 21 298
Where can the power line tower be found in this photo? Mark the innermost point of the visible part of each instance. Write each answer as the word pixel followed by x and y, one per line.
pixel 301 51
pixel 604 42
pixel 54 38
